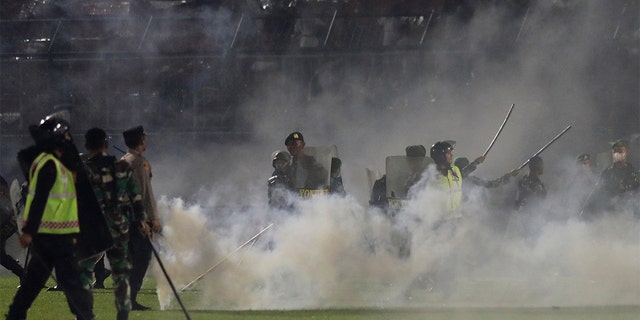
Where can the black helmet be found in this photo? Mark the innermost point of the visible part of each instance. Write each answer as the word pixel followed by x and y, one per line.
pixel 280 155
pixel 438 151
pixel 51 133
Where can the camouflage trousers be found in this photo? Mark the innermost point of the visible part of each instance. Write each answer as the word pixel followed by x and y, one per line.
pixel 120 270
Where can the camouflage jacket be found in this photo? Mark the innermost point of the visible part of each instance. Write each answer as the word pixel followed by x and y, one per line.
pixel 531 191
pixel 615 180
pixel 115 188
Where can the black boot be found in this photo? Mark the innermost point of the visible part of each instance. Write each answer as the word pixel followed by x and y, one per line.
pixel 123 315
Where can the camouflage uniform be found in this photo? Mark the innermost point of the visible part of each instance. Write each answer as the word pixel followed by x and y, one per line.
pixel 121 201
pixel 531 191
pixel 617 185
pixel 616 181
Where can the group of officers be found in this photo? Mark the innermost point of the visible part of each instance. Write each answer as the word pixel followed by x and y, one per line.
pixel 79 207
pixel 453 177
pixel 456 191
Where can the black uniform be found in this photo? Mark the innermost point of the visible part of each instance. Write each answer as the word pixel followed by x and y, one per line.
pixel 278 187
pixel 49 251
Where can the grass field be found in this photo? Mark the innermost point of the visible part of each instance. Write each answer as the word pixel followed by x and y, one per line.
pixel 52 305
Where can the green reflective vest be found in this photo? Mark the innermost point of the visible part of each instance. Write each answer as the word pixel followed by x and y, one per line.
pixel 61 211
pixel 452 186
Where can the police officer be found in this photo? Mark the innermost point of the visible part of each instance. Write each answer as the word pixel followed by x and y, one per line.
pixel 448 179
pixel 51 224
pixel 280 182
pixel 414 154
pixel 448 182
pixel 140 249
pixel 121 204
pixel 316 174
pixel 8 228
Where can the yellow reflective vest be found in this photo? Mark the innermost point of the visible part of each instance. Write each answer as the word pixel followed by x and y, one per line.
pixel 61 211
pixel 451 184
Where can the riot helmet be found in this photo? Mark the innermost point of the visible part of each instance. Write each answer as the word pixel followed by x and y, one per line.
pixel 439 152
pixel 51 133
pixel 280 155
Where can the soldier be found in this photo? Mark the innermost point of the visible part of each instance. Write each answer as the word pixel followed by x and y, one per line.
pixel 526 219
pixel 618 183
pixel 620 177
pixel 581 182
pixel 280 183
pixel 531 190
pixel 295 143
pixel 584 177
pixel 121 204
pixel 51 224
pixel 8 228
pixel 140 249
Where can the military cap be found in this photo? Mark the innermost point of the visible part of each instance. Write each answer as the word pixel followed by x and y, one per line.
pixel 620 143
pixel 293 136
pixel 133 136
pixel 416 151
pixel 583 157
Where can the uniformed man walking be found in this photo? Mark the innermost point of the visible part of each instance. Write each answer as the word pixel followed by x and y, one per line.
pixel 121 204
pixel 51 225
pixel 618 184
pixel 140 249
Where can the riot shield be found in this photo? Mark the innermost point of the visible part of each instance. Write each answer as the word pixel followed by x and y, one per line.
pixel 311 170
pixel 402 173
pixel 372 177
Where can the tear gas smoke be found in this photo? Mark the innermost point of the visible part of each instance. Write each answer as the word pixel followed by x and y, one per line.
pixel 332 252
pixel 337 252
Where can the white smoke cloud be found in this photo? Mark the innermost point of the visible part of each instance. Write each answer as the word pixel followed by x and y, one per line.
pixel 336 252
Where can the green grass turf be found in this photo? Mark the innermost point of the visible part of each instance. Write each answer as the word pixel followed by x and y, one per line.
pixel 52 305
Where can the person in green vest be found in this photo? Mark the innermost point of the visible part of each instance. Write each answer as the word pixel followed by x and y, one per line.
pixel 51 225
pixel 448 179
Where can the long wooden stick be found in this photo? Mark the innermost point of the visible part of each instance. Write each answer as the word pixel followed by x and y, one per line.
pixel 225 258
pixel 545 146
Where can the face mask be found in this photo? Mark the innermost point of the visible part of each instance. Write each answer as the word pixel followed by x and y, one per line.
pixel 619 157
